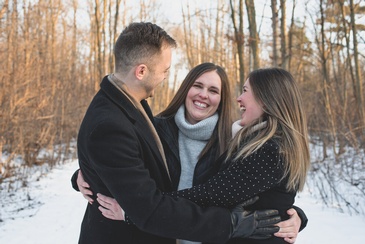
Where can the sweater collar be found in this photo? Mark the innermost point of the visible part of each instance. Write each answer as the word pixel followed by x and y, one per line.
pixel 237 127
pixel 202 130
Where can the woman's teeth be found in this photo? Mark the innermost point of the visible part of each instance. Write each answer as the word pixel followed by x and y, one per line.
pixel 202 105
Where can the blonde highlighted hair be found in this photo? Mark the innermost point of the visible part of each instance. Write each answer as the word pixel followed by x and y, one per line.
pixel 284 120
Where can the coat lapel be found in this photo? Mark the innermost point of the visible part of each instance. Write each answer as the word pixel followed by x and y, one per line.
pixel 133 115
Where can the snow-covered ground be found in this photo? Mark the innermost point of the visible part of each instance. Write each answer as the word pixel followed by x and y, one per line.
pixel 53 213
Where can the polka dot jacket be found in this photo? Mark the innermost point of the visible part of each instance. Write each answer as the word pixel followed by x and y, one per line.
pixel 258 174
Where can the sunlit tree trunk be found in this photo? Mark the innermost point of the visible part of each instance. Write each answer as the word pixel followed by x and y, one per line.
pixel 358 80
pixel 254 37
pixel 98 38
pixel 239 38
pixel 290 41
pixel 283 34
pixel 274 14
pixel 188 33
pixel 325 79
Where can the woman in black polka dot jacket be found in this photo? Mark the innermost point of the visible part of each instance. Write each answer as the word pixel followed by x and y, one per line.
pixel 268 157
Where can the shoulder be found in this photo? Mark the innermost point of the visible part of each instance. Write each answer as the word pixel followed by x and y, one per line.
pixel 268 155
pixel 159 120
pixel 272 145
pixel 269 149
pixel 163 123
pixel 104 110
pixel 105 116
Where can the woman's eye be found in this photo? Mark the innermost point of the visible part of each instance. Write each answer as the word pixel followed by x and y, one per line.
pixel 214 91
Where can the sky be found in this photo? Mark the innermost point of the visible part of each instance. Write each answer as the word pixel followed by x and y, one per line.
pixel 54 214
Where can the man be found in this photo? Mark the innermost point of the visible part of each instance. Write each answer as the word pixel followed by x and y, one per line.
pixel 120 155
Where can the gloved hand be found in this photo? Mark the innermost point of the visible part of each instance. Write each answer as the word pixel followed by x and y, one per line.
pixel 257 224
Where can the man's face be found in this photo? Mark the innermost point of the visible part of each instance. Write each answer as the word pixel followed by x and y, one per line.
pixel 158 71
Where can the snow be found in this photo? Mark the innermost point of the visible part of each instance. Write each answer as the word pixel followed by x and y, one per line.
pixel 55 217
pixel 53 213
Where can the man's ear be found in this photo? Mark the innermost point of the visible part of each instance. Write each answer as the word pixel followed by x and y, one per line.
pixel 140 71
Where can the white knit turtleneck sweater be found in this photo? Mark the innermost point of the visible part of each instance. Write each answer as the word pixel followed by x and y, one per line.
pixel 192 140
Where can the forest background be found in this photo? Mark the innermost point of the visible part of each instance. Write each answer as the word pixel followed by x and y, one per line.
pixel 53 54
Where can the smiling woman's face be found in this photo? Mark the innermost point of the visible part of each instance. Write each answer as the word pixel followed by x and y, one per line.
pixel 203 98
pixel 250 108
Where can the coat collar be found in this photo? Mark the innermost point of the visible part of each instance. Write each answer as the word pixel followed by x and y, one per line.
pixel 133 114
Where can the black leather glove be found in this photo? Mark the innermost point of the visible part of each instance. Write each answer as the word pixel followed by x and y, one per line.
pixel 257 224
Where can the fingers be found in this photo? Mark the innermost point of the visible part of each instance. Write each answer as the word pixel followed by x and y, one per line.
pixel 290 240
pixel 84 188
pixel 85 191
pixel 111 208
pixel 80 181
pixel 108 203
pixel 291 211
pixel 89 199
pixel 268 230
pixel 289 237
pixel 288 233
pixel 260 237
pixel 267 218
pixel 289 228
pixel 105 208
pixel 264 233
pixel 292 224
pixel 105 201
pixel 250 201
pixel 107 213
pixel 263 214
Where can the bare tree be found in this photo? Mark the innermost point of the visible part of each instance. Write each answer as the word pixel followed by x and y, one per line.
pixel 325 78
pixel 98 39
pixel 283 35
pixel 274 17
pixel 358 80
pixel 239 38
pixel 254 37
pixel 290 41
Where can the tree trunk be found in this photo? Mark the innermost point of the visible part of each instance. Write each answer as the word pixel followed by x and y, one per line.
pixel 359 89
pixel 290 44
pixel 274 25
pixel 325 80
pixel 283 35
pixel 98 33
pixel 254 37
pixel 239 39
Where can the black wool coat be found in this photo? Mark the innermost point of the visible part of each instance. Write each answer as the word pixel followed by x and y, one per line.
pixel 119 158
